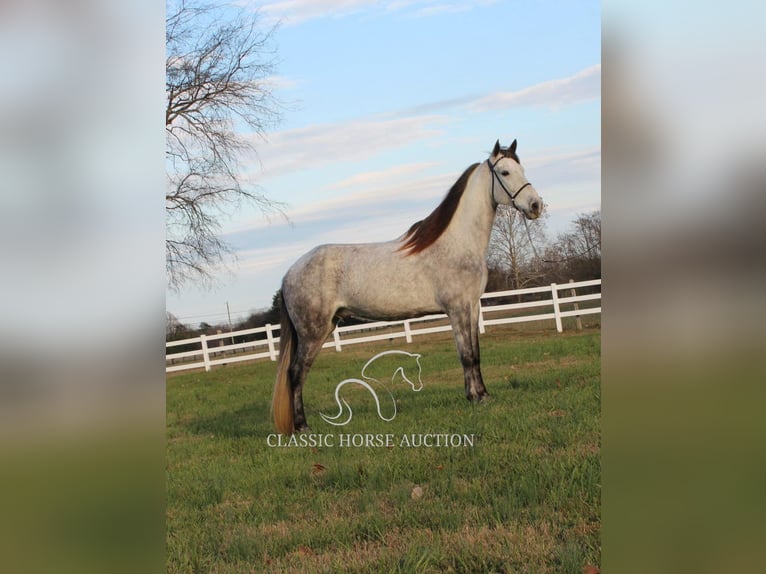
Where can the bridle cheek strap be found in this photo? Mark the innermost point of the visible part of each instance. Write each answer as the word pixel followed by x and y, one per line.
pixel 513 196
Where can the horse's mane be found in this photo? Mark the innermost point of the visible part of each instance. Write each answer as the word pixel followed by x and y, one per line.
pixel 424 232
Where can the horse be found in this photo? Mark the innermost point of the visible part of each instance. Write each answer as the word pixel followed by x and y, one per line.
pixel 437 266
pixel 334 420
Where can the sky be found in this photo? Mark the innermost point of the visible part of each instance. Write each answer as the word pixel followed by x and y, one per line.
pixel 386 103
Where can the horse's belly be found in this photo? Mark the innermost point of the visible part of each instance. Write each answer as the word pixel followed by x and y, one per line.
pixel 389 311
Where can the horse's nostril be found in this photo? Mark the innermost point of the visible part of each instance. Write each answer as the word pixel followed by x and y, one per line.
pixel 535 206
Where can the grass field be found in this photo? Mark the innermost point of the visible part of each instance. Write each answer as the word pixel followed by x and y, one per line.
pixel 525 498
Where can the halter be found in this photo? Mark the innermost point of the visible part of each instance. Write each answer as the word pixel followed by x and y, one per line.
pixel 513 196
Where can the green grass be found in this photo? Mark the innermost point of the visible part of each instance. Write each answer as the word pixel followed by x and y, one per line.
pixel 525 498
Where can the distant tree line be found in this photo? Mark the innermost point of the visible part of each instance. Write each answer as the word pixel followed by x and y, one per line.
pixel 175 330
pixel 518 259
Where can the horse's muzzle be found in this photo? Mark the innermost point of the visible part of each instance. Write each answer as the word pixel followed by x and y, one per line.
pixel 534 210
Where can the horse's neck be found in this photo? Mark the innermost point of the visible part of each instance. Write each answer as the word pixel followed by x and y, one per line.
pixel 472 222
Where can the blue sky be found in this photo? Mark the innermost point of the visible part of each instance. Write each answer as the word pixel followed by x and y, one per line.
pixel 389 102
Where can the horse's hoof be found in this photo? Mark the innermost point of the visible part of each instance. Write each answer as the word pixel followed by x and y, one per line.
pixel 302 429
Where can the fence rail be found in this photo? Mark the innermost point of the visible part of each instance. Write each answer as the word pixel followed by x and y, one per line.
pixel 213 350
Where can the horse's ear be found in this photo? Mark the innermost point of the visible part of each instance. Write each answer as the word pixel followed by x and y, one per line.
pixel 512 149
pixel 497 148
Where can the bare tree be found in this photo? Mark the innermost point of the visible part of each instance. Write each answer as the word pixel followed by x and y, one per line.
pixel 218 64
pixel 578 251
pixel 512 250
pixel 172 325
pixel 586 237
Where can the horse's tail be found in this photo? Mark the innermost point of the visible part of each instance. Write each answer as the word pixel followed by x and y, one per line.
pixel 282 402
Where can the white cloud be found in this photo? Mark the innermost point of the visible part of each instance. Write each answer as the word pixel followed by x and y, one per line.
pixel 263 258
pixel 584 86
pixel 385 176
pixel 581 165
pixel 379 194
pixel 292 12
pixel 297 11
pixel 581 87
pixel 436 8
pixel 370 201
pixel 280 82
pixel 320 144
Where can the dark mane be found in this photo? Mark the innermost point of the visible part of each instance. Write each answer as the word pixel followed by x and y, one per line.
pixel 423 233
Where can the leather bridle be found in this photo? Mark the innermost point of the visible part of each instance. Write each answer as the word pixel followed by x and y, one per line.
pixel 495 176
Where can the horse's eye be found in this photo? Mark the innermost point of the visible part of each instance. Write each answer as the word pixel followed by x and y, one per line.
pixel 505 172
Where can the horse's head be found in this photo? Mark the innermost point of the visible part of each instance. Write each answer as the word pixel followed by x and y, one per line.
pixel 510 185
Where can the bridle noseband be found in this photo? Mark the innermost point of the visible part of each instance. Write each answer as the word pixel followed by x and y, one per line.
pixel 513 196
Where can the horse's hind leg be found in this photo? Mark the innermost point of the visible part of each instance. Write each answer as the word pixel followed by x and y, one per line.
pixel 309 345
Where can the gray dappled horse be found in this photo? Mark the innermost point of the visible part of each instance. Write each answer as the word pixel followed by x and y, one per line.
pixel 437 266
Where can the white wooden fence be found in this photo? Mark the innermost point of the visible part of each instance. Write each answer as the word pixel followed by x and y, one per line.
pixel 214 350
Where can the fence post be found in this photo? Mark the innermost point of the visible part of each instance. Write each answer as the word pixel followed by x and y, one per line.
pixel 205 355
pixel 336 337
pixel 482 329
pixel 556 308
pixel 270 339
pixel 407 331
pixel 578 321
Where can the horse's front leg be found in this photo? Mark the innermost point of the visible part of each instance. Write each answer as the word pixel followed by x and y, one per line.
pixel 465 326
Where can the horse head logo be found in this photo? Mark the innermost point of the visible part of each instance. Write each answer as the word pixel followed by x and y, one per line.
pixel 344 407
